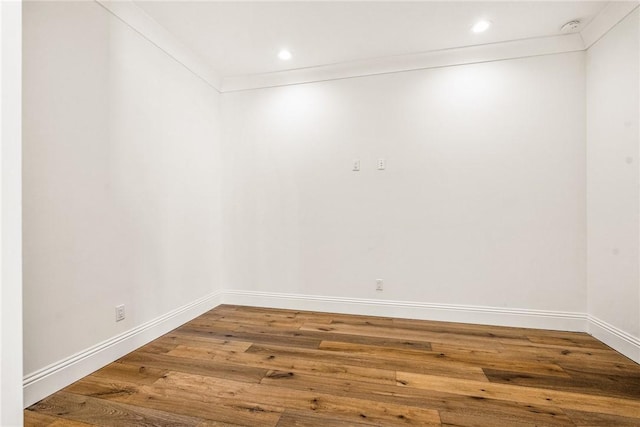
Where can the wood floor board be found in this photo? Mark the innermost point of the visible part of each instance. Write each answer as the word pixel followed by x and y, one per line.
pixel 292 339
pixel 208 343
pixel 457 419
pixel 412 361
pixel 555 354
pixel 599 366
pixel 158 346
pixel 108 413
pixel 40 419
pixel 316 336
pixel 131 374
pixel 591 419
pixel 204 353
pixel 577 382
pixel 195 366
pixel 449 359
pixel 438 400
pixel 389 343
pixel 568 400
pixel 157 397
pixel 302 365
pixel 249 366
pixel 240 312
pixel 565 350
pixel 303 419
pixel 374 350
pixel 329 405
pixel 587 361
pixel 426 366
pixel 464 329
pixel 578 340
pixel 104 388
pixel 240 319
pixel 237 412
pixel 392 332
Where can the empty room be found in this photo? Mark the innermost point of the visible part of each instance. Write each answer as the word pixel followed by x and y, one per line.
pixel 329 213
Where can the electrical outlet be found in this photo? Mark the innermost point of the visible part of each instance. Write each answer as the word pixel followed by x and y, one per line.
pixel 381 164
pixel 356 165
pixel 379 284
pixel 119 312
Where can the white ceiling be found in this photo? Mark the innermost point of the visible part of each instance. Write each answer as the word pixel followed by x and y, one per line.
pixel 242 38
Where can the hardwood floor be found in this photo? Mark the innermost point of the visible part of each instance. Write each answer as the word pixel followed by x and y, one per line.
pixel 264 367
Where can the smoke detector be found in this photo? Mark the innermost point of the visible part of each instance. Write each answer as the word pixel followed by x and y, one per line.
pixel 570 26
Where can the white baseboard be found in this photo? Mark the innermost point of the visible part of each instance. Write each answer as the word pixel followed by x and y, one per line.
pixel 54 377
pixel 615 338
pixel 40 384
pixel 542 319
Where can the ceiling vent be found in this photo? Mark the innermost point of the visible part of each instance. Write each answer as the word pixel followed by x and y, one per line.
pixel 570 26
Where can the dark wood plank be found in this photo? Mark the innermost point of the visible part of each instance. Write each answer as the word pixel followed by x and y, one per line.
pixel 579 382
pixel 594 419
pixel 534 395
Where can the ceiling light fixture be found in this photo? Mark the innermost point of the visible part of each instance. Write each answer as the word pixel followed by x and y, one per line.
pixel 481 26
pixel 284 54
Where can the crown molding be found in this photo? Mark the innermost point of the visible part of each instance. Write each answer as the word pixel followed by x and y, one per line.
pixel 611 15
pixel 433 59
pixel 129 13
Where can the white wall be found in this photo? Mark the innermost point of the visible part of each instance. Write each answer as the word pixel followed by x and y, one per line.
pixel 121 181
pixel 481 208
pixel 613 197
pixel 10 215
pixel 482 202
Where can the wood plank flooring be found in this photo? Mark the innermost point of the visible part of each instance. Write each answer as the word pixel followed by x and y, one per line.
pixel 244 366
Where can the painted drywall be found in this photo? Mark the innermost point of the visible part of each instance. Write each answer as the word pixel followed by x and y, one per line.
pixel 481 205
pixel 613 198
pixel 121 181
pixel 10 214
pixel 482 201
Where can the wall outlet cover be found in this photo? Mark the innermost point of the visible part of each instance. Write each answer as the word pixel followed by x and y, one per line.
pixel 119 312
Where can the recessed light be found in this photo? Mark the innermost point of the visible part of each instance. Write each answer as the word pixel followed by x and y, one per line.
pixel 284 54
pixel 480 26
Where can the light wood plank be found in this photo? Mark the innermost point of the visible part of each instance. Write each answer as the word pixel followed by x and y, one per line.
pixel 293 364
pixel 100 412
pixel 345 408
